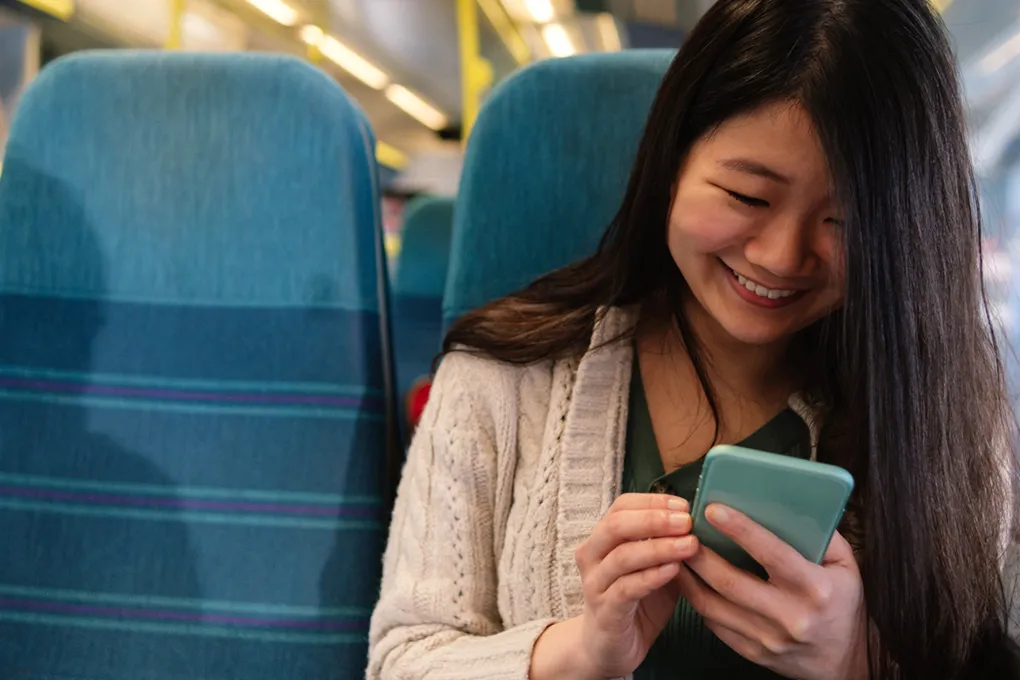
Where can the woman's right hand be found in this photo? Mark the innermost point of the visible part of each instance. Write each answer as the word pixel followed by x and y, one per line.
pixel 627 569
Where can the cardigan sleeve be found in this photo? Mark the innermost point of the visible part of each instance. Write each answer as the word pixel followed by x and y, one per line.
pixel 437 616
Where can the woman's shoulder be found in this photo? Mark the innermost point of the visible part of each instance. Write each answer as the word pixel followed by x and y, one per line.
pixel 470 380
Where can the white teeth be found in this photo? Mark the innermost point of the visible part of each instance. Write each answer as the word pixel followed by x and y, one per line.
pixel 762 291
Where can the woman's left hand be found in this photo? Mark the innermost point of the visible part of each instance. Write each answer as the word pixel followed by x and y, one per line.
pixel 808 621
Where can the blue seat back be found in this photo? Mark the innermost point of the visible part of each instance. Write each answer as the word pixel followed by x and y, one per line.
pixel 546 169
pixel 192 412
pixel 418 287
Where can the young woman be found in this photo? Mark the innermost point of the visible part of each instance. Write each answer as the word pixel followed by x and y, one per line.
pixel 800 221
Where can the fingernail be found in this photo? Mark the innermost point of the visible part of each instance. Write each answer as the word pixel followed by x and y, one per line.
pixel 679 519
pixel 682 544
pixel 678 504
pixel 717 513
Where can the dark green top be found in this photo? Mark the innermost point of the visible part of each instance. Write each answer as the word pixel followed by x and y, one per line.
pixel 686 650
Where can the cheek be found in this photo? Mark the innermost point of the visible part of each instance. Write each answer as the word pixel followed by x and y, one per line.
pixel 703 228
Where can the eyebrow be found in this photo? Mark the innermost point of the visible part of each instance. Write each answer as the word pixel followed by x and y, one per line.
pixel 750 167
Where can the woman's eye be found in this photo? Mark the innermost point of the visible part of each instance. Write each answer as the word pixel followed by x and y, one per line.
pixel 748 200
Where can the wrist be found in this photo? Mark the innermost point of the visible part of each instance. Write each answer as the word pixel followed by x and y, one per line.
pixel 559 654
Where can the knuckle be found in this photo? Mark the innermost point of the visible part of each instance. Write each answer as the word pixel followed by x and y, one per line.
pixel 798 628
pixel 620 501
pixel 776 646
pixel 623 501
pixel 820 593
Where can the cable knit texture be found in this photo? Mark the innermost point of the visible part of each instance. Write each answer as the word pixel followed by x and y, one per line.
pixel 508 473
pixel 510 469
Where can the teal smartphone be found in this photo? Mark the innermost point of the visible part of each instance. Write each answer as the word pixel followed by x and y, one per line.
pixel 800 501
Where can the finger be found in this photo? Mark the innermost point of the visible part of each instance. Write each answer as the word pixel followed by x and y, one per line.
pixel 736 585
pixel 839 552
pixel 649 501
pixel 718 611
pixel 777 557
pixel 637 556
pixel 624 595
pixel 631 525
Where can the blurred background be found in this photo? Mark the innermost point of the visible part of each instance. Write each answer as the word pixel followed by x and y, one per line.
pixel 422 68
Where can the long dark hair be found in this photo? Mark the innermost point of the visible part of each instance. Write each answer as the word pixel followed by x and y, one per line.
pixel 907 372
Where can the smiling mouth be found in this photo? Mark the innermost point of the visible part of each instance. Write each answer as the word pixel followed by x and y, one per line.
pixel 754 290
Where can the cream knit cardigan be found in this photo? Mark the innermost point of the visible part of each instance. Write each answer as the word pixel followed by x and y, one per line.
pixel 509 471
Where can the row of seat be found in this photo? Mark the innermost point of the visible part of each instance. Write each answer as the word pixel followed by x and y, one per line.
pixel 196 387
pixel 543 175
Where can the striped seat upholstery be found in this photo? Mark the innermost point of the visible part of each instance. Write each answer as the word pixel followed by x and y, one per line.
pixel 192 411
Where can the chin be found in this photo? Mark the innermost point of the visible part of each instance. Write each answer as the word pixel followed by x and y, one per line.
pixel 756 337
pixel 754 332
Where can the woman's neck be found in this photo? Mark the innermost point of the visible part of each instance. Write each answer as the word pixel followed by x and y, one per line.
pixel 748 371
pixel 735 370
pixel 749 384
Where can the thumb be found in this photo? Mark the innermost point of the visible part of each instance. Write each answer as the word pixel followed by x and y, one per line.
pixel 840 552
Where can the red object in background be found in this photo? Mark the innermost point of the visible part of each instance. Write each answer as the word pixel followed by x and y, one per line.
pixel 417 397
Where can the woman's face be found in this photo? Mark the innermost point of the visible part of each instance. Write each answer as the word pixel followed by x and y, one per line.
pixel 755 229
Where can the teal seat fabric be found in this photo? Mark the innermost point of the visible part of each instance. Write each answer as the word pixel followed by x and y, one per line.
pixel 193 411
pixel 418 287
pixel 545 170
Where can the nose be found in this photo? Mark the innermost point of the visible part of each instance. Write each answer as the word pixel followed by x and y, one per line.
pixel 782 247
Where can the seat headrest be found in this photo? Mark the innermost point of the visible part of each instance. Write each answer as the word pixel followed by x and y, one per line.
pixel 425 247
pixel 546 169
pixel 232 192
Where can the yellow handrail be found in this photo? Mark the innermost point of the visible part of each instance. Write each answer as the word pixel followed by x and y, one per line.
pixel 61 9
pixel 475 71
pixel 174 36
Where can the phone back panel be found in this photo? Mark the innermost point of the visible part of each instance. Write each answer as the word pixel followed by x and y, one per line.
pixel 800 501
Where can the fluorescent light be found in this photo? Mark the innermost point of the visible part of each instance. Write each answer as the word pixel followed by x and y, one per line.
pixel 558 41
pixel 608 32
pixel 540 10
pixel 417 107
pixel 353 63
pixel 277 10
pixel 1002 55
pixel 196 27
pixel 311 35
